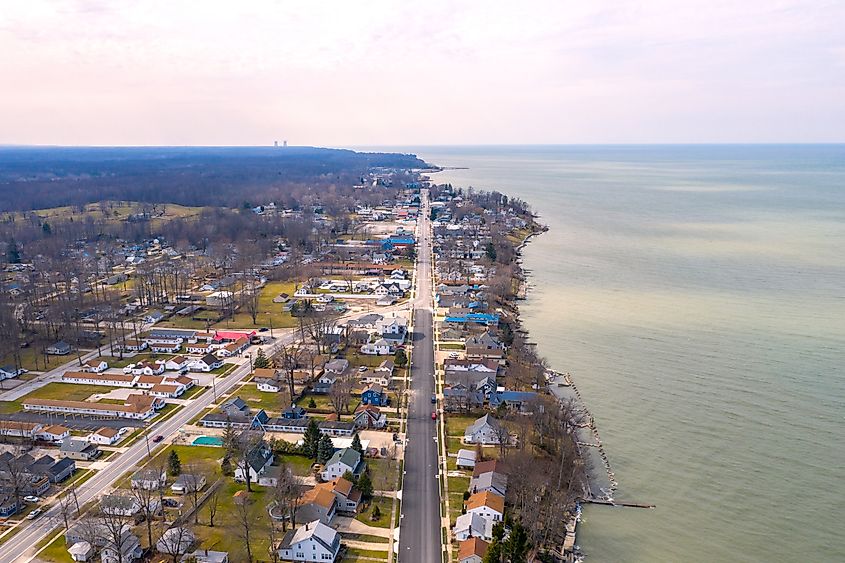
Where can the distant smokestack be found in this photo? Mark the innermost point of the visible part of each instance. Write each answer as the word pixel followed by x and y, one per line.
pixel 285 144
pixel 275 143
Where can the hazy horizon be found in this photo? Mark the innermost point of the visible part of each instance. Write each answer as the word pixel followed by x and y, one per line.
pixel 95 73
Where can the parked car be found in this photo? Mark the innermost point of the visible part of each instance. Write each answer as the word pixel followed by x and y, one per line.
pixel 31 498
pixel 433 398
pixel 454 356
pixel 169 502
pixel 34 514
pixel 433 415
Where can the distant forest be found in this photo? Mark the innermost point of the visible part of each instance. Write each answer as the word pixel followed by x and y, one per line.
pixel 42 177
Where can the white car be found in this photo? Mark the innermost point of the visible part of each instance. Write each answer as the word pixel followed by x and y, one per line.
pixel 34 514
pixel 454 356
pixel 31 499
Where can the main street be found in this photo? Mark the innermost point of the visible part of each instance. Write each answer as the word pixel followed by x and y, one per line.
pixel 419 538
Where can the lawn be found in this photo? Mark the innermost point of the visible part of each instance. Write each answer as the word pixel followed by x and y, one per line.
pixel 225 535
pixel 66 391
pixel 457 424
pixel 225 369
pixel 384 504
pixel 356 358
pixel 205 459
pixel 33 360
pixel 322 401
pixel 457 484
pixel 453 444
pixel 56 552
pixel 383 473
pixel 363 555
pixel 299 464
pixel 193 392
pixel 268 312
pixel 270 402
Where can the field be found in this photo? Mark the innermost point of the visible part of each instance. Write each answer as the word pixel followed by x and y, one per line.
pixel 116 212
pixel 457 424
pixel 271 402
pixel 58 391
pixel 268 312
pixel 32 360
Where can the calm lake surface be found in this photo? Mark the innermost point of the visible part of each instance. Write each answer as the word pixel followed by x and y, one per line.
pixel 697 295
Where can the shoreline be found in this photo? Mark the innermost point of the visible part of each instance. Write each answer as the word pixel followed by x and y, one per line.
pixel 562 386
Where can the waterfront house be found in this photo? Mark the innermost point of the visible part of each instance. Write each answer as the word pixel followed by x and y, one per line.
pixel 472 550
pixel 488 505
pixel 486 431
pixel 472 525
pixel 466 459
pixel 484 346
pixel 489 481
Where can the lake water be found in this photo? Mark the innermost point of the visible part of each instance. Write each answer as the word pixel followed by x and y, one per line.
pixel 697 295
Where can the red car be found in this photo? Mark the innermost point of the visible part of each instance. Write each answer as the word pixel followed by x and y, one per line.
pixel 158 438
pixel 433 415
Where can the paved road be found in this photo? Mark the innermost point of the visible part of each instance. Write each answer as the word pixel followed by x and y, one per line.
pixel 419 538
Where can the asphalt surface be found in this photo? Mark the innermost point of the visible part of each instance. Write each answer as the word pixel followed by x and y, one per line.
pixel 419 537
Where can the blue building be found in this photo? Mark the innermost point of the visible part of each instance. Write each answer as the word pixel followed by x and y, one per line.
pixel 374 395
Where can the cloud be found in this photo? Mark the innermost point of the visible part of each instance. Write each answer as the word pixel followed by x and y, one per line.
pixel 383 72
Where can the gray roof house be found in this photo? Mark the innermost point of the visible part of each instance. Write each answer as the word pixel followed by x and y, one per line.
pixel 484 431
pixel 342 461
pixel 79 449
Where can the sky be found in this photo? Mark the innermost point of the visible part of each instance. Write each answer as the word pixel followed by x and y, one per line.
pixel 344 73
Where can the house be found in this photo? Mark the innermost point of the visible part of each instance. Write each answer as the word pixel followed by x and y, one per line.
pixel 133 345
pixel 520 401
pixel 268 385
pixel 257 461
pixel 370 376
pixel 105 436
pixel 368 321
pixel 466 459
pixel 472 525
pixel 59 348
pixel 7 372
pixel 145 367
pixel 188 483
pixel 95 531
pixel 135 406
pixel 79 450
pixel 58 470
pixel 8 505
pixel 177 363
pixel 488 505
pixel 150 479
pixel 19 429
pixel 94 366
pixel 313 541
pixel 165 347
pixel 342 461
pixel 489 481
pixel 385 369
pixel 334 368
pixel 117 504
pixel 153 317
pixel 294 412
pixel 486 431
pixel 472 550
pixel 380 347
pixel 206 364
pixel 374 395
pixel 368 416
pixel 484 346
pixel 317 504
pixel 81 551
pixel 393 329
pixel 175 541
pixel 54 433
pixel 348 497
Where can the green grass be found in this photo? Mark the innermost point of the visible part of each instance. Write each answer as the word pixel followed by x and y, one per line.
pixel 453 444
pixel 299 464
pixel 193 392
pixel 323 402
pixel 458 484
pixel 56 552
pixel 225 369
pixel 383 473
pixel 384 504
pixel 267 310
pixel 450 346
pixel 33 360
pixel 366 538
pixel 457 424
pixel 270 402
pixel 224 535
pixel 363 555
pixel 58 391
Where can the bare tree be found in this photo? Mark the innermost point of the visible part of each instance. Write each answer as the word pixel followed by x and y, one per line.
pixel 340 393
pixel 244 521
pixel 212 503
pixel 287 359
pixel 150 505
pixel 116 532
pixel 287 494
pixel 176 542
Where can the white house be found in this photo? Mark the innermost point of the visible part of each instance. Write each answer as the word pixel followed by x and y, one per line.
pixel 466 459
pixel 177 363
pixel 54 433
pixel 268 385
pixel 484 431
pixel 313 541
pixel 380 347
pixel 342 461
pixel 488 505
pixel 207 363
pixel 471 525
pixel 94 366
pixel 105 436
pixel 258 460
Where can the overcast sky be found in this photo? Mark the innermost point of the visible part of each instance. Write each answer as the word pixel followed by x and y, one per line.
pixel 339 73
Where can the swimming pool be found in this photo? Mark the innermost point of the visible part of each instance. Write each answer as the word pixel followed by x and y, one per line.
pixel 207 441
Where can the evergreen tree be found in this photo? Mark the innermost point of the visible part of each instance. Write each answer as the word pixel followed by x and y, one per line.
pixel 491 251
pixel 366 486
pixel 356 444
pixel 325 449
pixel 400 359
pixel 312 404
pixel 226 466
pixel 375 515
pixel 230 440
pixel 261 361
pixel 174 465
pixel 515 548
pixel 13 254
pixel 311 441
pixel 349 477
pixel 45 227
